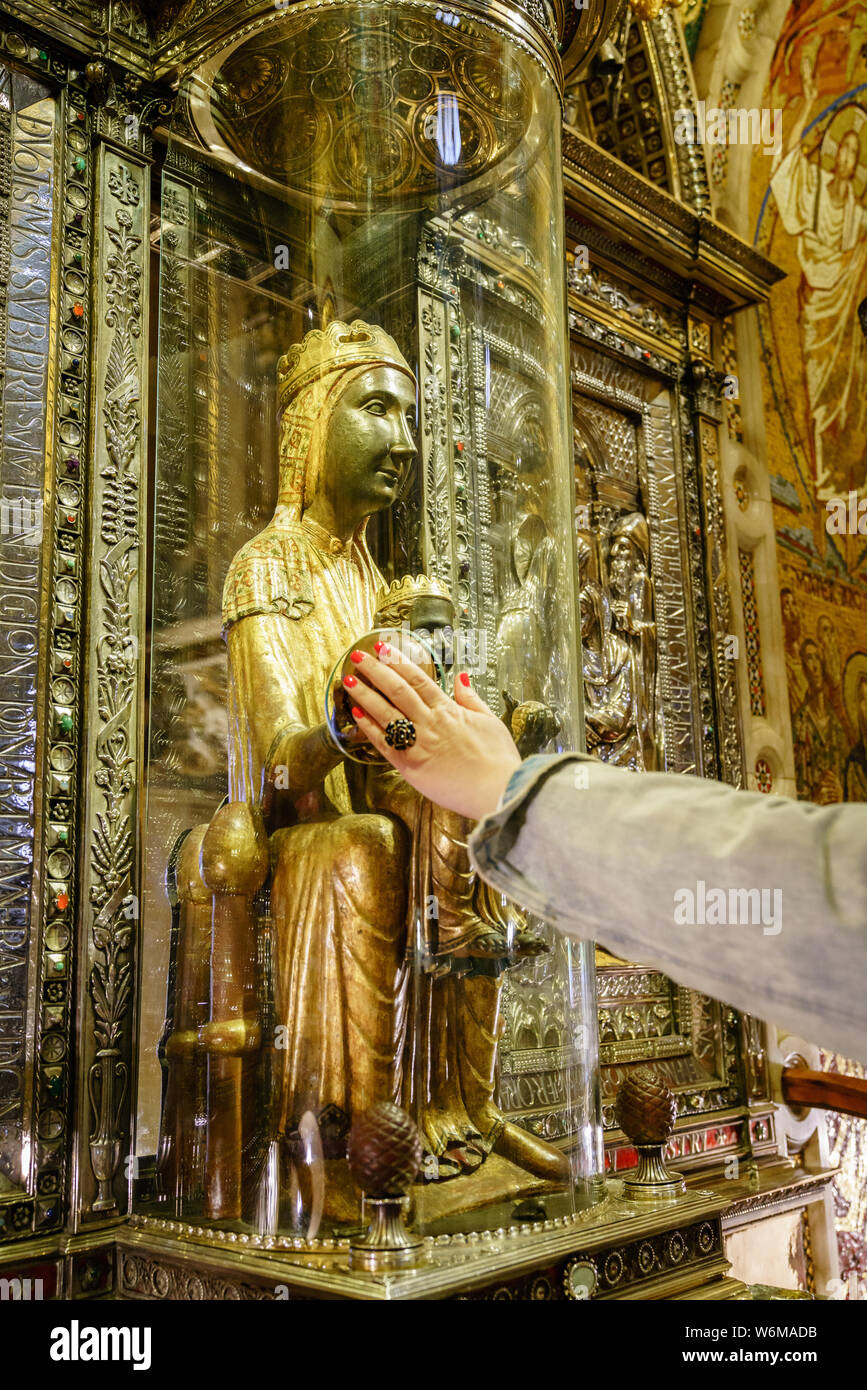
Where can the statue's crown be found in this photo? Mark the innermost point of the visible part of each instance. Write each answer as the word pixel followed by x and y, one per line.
pixel 328 349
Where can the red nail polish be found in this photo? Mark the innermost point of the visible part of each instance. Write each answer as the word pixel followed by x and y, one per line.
pixel 356 712
pixel 350 681
pixel 357 657
pixel 378 646
pixel 464 678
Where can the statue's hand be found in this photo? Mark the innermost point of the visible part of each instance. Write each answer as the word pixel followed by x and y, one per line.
pixel 620 610
pixel 349 732
pixel 592 736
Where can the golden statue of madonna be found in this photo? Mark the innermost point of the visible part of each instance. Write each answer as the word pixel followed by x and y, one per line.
pixel 387 953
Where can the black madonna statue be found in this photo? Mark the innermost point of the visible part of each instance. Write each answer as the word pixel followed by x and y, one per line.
pixel 387 954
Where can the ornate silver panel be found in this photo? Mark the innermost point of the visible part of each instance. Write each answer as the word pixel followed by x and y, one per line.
pixel 44 262
pixel 114 693
pixel 633 450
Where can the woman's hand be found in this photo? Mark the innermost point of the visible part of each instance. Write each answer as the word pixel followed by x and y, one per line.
pixel 463 755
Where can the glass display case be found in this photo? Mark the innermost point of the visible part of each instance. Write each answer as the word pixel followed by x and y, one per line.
pixel 264 1035
pixel 363 423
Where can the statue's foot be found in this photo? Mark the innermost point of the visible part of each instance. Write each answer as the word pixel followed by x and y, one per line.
pixel 444 1167
pixel 532 1154
pixel 469 1156
pixel 527 945
pixel 495 945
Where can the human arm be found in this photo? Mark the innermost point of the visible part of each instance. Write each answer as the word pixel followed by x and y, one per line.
pixel 632 860
pixel 610 854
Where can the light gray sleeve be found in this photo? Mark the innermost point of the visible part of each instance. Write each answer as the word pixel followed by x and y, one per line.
pixel 757 900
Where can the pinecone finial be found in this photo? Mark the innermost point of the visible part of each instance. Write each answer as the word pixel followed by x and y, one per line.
pixel 646 1111
pixel 384 1154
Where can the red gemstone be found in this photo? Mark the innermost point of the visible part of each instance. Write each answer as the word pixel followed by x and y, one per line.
pixel 78 310
pixel 62 901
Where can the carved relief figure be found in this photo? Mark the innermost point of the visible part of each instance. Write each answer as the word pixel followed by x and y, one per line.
pixel 526 615
pixel 522 632
pixel 611 679
pixel 632 606
pixel 355 855
pixel 527 620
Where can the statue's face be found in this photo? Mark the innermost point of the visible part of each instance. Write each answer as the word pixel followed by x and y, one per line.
pixel 621 564
pixel 370 442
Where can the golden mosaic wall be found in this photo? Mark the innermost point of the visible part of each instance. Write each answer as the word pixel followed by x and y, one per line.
pixel 809 215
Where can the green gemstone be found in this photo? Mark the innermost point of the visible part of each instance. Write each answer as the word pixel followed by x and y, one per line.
pixel 81 164
pixel 66 723
pixel 76 258
pixel 59 967
pixel 43 56
pixel 63 836
pixel 70 564
pixel 53 1087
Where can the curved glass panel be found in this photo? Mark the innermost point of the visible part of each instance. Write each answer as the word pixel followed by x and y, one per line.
pixel 362 424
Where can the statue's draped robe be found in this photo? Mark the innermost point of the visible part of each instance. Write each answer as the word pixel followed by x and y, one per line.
pixel 354 863
pixel 611 700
